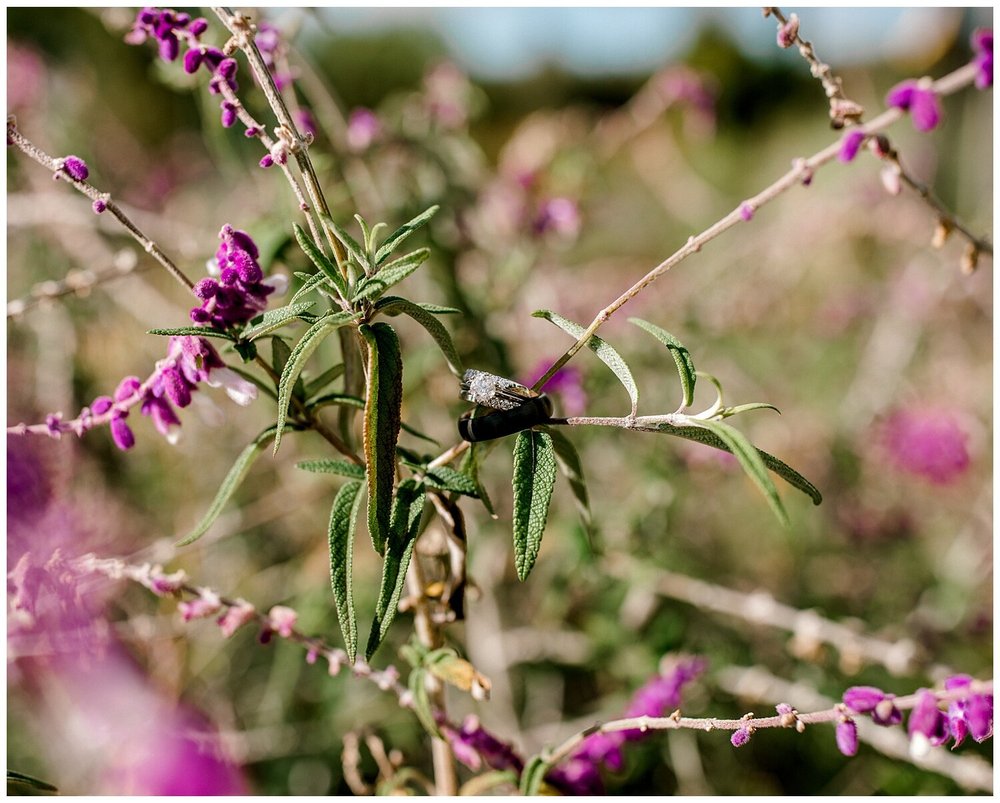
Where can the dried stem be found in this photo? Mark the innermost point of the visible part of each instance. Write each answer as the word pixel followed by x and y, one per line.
pixel 16 138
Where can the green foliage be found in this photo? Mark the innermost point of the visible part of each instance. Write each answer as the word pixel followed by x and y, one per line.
pixel 276 318
pixel 424 315
pixel 374 286
pixel 571 467
pixel 534 477
pixel 191 331
pixel 343 516
pixel 682 358
pixel 322 262
pixel 533 775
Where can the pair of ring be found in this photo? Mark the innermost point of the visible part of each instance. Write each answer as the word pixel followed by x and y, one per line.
pixel 517 407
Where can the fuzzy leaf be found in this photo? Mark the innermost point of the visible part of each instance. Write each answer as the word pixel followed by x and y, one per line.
pixel 338 398
pixel 320 260
pixel 343 517
pixel 470 465
pixel 572 469
pixel 444 478
pixel 276 318
pixel 605 352
pixel 310 282
pixel 18 783
pixel 391 274
pixel 682 357
pixel 782 469
pixel 229 485
pixel 303 350
pixel 534 476
pixel 344 468
pixel 745 408
pixel 406 512
pixel 191 331
pixel 532 775
pixel 751 461
pixel 313 386
pixel 355 251
pixel 393 305
pixel 381 426
pixel 393 240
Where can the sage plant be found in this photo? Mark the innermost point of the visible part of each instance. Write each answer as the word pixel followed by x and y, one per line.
pixel 329 349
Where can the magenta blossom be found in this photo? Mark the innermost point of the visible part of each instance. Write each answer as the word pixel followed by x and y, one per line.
pixel 869 699
pixel 927 443
pixel 561 216
pixel 567 383
pixel 847 736
pixel 973 715
pixel 850 145
pixel 363 128
pixel 982 46
pixel 920 100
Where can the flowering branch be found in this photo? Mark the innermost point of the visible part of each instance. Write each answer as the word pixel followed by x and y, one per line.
pixel 73 170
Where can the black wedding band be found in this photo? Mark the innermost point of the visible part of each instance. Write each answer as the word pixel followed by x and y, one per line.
pixel 506 422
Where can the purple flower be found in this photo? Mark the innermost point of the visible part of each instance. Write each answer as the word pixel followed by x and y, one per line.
pixel 971 715
pixel 99 206
pixel 740 737
pixel 281 620
pixel 121 433
pixel 75 168
pixel 206 604
pixel 788 32
pixel 558 215
pixel 306 122
pixel 363 128
pixel 927 726
pixel 473 745
pixel 982 46
pixel 917 98
pixel 927 443
pixel 851 144
pixel 847 736
pixel 236 616
pixel 567 382
pixel 746 212
pixel 868 699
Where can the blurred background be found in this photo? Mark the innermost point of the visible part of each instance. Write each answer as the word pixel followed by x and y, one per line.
pixel 571 150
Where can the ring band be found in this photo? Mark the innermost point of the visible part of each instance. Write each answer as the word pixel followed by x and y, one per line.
pixel 506 422
pixel 489 390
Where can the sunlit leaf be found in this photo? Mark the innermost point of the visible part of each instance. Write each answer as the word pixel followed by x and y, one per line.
pixel 320 260
pixel 392 242
pixel 276 318
pixel 534 476
pixel 532 775
pixel 229 485
pixel 343 468
pixel 355 251
pixel 605 352
pixel 444 478
pixel 191 331
pixel 381 425
pixel 682 357
pixel 343 517
pixel 393 305
pixel 310 282
pixel 391 274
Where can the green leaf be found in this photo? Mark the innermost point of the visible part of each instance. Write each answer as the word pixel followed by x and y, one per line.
pixel 534 476
pixel 470 465
pixel 19 783
pixel 303 350
pixel 280 352
pixel 338 398
pixel 752 463
pixel 782 469
pixel 355 251
pixel 572 469
pixel 320 260
pixel 417 684
pixel 682 357
pixel 381 426
pixel 601 348
pixel 416 433
pixel 276 318
pixel 191 331
pixel 313 386
pixel 391 274
pixel 393 240
pixel 345 468
pixel 745 408
pixel 246 350
pixel 343 517
pixel 533 774
pixel 444 478
pixel 310 282
pixel 394 305
pixel 406 512
pixel 229 485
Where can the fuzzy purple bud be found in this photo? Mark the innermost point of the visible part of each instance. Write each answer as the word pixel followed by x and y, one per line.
pixel 176 387
pixel 235 617
pixel 101 405
pixel 850 145
pixel 927 720
pixel 169 47
pixel 746 212
pixel 979 716
pixel 247 268
pixel 982 46
pixel 266 162
pixel 228 118
pixel 206 289
pixel 192 60
pixel 121 434
pixel 98 206
pixel 863 698
pixel 75 168
pixel 740 737
pixel 919 100
pixel 788 32
pixel 127 388
pixel 847 737
pixel 197 27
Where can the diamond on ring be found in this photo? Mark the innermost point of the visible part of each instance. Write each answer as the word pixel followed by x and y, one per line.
pixel 494 391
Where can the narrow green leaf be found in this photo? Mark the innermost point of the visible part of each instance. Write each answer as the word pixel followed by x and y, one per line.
pixel 344 468
pixel 366 234
pixel 18 781
pixel 572 469
pixel 605 352
pixel 310 282
pixel 191 331
pixel 745 408
pixel 416 433
pixel 532 775
pixel 343 517
pixel 782 469
pixel 534 476
pixel 280 352
pixel 314 386
pixel 391 274
pixel 338 398
pixel 682 357
pixel 229 485
pixel 276 318
pixel 437 309
pixel 320 260
pixel 303 350
pixel 394 305
pixel 405 522
pixel 393 240
pixel 355 251
pixel 261 384
pixel 470 465
pixel 752 463
pixel 444 478
pixel 417 684
pixel 381 426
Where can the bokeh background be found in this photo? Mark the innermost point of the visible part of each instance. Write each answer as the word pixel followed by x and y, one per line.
pixel 570 150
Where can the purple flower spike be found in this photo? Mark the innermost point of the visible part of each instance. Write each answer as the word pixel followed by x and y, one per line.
pixel 982 46
pixel 927 443
pixel 863 698
pixel 979 716
pixel 127 388
pixel 75 168
pixel 740 737
pixel 192 60
pixel 198 27
pixel 176 387
pixel 850 145
pixel 121 433
pixel 228 114
pixel 847 737
pixel 919 100
pixel 101 405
